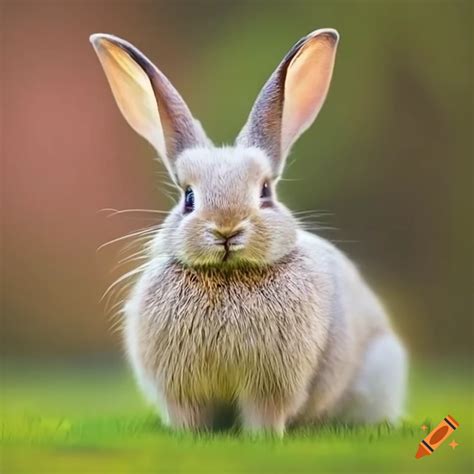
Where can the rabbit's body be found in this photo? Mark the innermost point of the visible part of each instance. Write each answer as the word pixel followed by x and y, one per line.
pixel 237 305
pixel 291 338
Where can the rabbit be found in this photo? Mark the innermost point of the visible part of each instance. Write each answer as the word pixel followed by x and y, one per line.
pixel 238 305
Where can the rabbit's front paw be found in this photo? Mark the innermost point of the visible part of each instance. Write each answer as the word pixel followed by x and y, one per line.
pixel 188 416
pixel 264 416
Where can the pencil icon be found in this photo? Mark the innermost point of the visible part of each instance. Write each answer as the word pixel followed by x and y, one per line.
pixel 436 437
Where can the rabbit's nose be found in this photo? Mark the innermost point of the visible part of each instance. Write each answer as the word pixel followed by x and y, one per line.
pixel 226 234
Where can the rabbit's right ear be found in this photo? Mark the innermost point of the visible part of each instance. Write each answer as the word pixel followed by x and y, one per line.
pixel 292 98
pixel 147 100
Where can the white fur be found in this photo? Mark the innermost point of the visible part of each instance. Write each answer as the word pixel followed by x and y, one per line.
pixel 378 391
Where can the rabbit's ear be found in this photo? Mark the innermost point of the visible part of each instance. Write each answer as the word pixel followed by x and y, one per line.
pixel 291 99
pixel 147 100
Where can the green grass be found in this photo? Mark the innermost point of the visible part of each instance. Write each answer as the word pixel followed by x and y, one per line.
pixel 90 419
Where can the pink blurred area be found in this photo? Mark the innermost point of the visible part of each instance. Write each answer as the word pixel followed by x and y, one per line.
pixel 67 154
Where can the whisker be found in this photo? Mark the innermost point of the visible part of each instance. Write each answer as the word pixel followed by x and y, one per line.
pixel 141 242
pixel 120 301
pixel 129 274
pixel 170 196
pixel 130 260
pixel 319 212
pixel 291 179
pixel 317 224
pixel 117 212
pixel 141 232
pixel 136 254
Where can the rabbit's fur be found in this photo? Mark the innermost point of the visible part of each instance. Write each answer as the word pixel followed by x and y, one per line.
pixel 237 304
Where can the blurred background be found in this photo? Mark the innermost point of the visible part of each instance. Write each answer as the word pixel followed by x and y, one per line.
pixel 389 158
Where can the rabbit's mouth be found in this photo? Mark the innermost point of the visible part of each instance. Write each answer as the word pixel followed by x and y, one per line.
pixel 230 250
pixel 227 250
pixel 228 247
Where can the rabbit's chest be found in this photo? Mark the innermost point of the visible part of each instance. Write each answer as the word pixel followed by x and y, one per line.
pixel 212 331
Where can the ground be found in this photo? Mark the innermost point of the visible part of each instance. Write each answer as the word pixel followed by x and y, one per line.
pixel 89 418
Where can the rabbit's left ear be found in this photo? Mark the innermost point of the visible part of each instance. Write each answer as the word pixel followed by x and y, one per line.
pixel 147 99
pixel 292 98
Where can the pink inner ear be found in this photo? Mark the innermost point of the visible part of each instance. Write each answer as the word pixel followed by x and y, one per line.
pixel 133 92
pixel 306 86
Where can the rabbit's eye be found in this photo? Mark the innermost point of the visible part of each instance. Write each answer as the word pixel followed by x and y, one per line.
pixel 266 195
pixel 266 192
pixel 188 200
